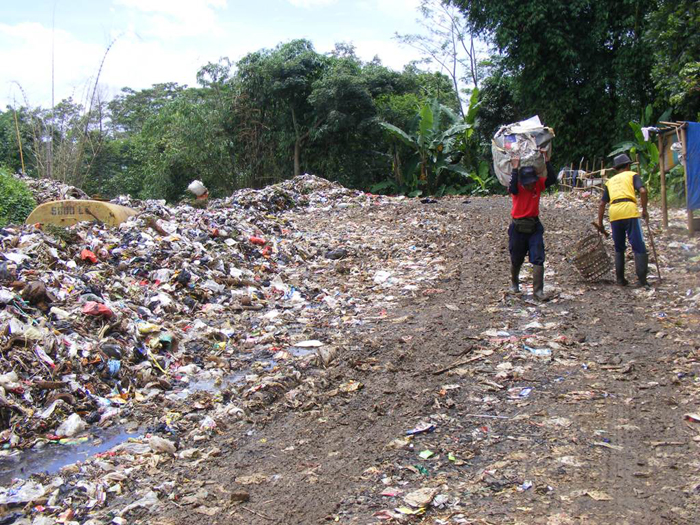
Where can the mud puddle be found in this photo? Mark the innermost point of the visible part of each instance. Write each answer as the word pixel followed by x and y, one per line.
pixel 52 457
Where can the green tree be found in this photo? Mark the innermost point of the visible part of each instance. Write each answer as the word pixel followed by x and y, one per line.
pixel 675 40
pixel 182 143
pixel 66 140
pixel 450 44
pixel 318 113
pixel 342 142
pixel 582 65
pixel 435 140
pixel 10 120
pixel 293 69
pixel 498 100
pixel 274 113
pixel 130 110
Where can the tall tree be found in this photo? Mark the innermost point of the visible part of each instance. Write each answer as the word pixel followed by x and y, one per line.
pixel 675 39
pixel 293 69
pixel 131 109
pixel 450 43
pixel 582 65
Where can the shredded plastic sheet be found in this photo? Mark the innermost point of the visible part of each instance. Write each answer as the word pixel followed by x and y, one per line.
pixel 526 140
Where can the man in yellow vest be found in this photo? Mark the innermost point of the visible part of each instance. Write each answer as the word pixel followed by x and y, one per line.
pixel 620 193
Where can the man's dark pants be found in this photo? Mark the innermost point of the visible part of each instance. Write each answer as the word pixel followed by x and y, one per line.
pixel 520 244
pixel 628 229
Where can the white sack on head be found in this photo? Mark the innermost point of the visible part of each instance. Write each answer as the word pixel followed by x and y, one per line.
pixel 525 140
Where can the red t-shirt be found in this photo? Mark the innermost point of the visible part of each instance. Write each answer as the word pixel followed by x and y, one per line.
pixel 527 203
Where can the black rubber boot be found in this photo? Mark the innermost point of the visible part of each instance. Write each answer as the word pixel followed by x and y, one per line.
pixel 538 282
pixel 514 278
pixel 641 265
pixel 620 269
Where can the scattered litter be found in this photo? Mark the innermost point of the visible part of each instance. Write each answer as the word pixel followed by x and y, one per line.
pixel 420 498
pixel 421 428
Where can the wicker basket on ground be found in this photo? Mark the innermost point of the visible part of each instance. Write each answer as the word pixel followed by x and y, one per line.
pixel 590 258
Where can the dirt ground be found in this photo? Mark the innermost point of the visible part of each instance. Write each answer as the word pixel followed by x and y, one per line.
pixel 593 430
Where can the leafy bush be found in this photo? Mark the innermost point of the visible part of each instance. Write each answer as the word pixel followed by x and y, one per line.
pixel 16 201
pixel 675 186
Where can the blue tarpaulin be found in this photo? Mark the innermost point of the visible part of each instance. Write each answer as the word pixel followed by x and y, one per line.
pixel 693 165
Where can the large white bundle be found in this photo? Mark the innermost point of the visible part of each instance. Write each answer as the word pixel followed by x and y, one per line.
pixel 526 140
pixel 197 188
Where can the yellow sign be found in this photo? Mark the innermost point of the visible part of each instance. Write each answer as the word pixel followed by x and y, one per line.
pixel 70 212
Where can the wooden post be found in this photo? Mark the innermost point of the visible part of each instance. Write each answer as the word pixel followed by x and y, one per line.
pixel 662 175
pixel 573 186
pixel 684 135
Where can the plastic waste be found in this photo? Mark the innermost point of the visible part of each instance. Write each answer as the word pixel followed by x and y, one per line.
pixel 87 255
pixel 72 426
pixel 197 188
pixel 421 428
pixel 97 309
pixel 161 445
pixel 526 140
pixel 26 492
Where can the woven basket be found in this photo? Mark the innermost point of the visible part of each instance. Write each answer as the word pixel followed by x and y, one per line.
pixel 590 258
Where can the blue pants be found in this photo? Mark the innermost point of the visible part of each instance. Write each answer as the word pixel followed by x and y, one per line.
pixel 520 244
pixel 628 229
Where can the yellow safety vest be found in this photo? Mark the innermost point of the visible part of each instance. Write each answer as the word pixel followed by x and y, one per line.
pixel 621 186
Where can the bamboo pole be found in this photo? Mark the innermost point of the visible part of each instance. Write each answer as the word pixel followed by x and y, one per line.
pixel 571 171
pixel 19 142
pixel 662 176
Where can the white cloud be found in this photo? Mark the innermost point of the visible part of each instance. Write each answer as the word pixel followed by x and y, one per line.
pixel 391 53
pixel 138 64
pixel 399 6
pixel 169 19
pixel 181 9
pixel 149 48
pixel 25 52
pixel 396 9
pixel 307 4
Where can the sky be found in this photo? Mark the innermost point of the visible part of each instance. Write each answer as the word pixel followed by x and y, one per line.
pixel 144 42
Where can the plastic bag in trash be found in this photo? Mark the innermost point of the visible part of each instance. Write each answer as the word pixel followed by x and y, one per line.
pixel 29 491
pixel 197 188
pixel 71 426
pixel 526 140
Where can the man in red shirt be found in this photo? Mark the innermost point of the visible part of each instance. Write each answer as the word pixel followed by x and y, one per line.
pixel 526 233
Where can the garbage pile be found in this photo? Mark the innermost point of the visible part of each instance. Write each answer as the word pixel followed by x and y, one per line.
pixel 95 319
pixel 45 190
pixel 174 324
pixel 298 192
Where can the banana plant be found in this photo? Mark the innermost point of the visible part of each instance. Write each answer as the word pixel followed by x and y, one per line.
pixel 643 151
pixel 436 140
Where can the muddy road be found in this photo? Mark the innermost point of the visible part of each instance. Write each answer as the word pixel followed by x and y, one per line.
pixel 570 411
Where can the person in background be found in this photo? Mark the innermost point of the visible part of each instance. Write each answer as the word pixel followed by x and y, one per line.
pixel 620 193
pixel 526 233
